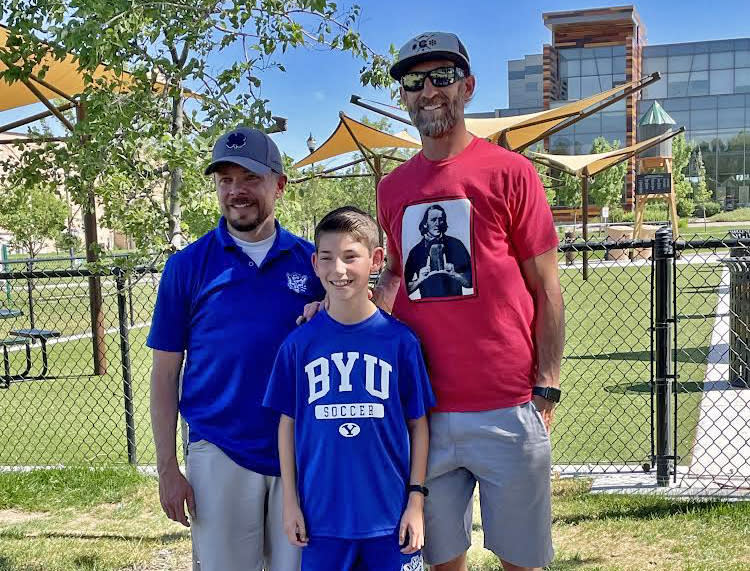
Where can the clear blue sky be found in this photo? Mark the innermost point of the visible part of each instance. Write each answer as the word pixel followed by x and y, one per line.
pixel 317 85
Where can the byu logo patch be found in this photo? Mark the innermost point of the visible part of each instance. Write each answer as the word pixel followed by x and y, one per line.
pixel 349 429
pixel 414 565
pixel 296 282
pixel 236 141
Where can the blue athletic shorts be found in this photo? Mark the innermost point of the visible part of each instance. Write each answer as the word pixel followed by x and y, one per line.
pixel 373 554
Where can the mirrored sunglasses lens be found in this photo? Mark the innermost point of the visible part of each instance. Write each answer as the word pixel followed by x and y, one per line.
pixel 412 81
pixel 443 76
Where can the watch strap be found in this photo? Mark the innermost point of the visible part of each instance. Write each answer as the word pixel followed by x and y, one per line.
pixel 417 488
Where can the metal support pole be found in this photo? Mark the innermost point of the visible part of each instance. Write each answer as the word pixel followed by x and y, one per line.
pixel 663 253
pixel 127 385
pixel 585 200
pixel 378 172
pixel 6 268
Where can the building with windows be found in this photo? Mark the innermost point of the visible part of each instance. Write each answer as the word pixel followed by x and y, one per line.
pixel 705 87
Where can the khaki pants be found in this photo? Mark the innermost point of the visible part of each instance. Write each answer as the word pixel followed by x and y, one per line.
pixel 238 523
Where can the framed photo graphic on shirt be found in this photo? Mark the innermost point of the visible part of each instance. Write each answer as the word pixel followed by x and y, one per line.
pixel 436 246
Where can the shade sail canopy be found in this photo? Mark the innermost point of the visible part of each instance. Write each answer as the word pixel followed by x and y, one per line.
pixel 590 165
pixel 342 141
pixel 535 126
pixel 492 127
pixel 63 74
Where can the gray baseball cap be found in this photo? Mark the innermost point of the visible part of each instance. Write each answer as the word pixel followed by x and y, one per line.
pixel 248 148
pixel 431 46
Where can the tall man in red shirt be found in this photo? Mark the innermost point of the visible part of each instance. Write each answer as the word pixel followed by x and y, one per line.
pixel 494 342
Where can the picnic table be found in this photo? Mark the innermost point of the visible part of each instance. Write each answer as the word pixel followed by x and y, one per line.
pixel 24 337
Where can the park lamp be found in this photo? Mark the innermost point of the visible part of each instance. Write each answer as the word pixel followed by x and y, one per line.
pixel 311 143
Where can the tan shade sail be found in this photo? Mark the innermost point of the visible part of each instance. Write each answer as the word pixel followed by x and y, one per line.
pixel 535 126
pixel 492 127
pixel 590 165
pixel 341 141
pixel 63 74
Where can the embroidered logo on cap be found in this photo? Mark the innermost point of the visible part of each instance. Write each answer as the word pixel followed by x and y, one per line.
pixel 236 141
pixel 424 42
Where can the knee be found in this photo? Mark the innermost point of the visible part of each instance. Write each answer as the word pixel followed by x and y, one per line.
pixel 457 564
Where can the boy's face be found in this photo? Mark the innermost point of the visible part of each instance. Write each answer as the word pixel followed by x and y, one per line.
pixel 344 265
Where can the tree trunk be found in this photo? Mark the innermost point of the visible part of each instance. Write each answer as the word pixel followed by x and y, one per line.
pixel 175 178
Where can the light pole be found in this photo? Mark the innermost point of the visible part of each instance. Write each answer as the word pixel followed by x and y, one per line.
pixel 311 145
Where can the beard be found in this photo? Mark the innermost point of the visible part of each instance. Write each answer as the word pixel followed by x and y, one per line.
pixel 246 223
pixel 436 123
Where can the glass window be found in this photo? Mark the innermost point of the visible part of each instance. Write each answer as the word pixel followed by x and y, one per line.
pixel 678 84
pixel 589 86
pixel 742 80
pixel 603 51
pixel 618 79
pixel 612 121
pixel 656 51
pixel 618 51
pixel 615 136
pixel 732 118
pixel 703 119
pixel 681 49
pixel 727 101
pixel 700 62
pixel 591 124
pixel 605 82
pixel 652 64
pixel 604 65
pixel 742 58
pixel 532 86
pixel 698 83
pixel 722 81
pixel 720 46
pixel 656 90
pixel 562 67
pixel 722 60
pixel 574 67
pixel 618 65
pixel 676 104
pixel 681 118
pixel 703 102
pixel 588 67
pixel 574 88
pixel 679 63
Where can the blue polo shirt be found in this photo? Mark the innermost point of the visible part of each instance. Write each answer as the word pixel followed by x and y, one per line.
pixel 230 316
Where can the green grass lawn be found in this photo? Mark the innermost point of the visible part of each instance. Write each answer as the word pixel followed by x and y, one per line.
pixel 110 520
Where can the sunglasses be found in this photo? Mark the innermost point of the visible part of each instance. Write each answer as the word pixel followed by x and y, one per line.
pixel 440 77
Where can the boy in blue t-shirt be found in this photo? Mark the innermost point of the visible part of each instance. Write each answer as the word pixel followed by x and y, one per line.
pixel 353 392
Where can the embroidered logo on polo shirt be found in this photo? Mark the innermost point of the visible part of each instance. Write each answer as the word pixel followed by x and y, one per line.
pixel 414 565
pixel 297 282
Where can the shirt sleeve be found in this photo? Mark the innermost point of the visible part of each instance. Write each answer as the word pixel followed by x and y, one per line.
pixel 281 394
pixel 532 228
pixel 416 395
pixel 170 323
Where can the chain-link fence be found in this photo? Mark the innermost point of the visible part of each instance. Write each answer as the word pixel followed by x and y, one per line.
pixel 655 372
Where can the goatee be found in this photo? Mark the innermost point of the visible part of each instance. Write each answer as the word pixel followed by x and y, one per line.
pixel 430 123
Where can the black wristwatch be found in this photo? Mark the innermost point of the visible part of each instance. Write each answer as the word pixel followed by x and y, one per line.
pixel 417 488
pixel 550 393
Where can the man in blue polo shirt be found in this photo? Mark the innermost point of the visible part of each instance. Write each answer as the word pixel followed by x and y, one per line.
pixel 225 303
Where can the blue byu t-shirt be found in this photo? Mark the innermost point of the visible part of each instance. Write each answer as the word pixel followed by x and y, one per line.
pixel 350 389
pixel 230 316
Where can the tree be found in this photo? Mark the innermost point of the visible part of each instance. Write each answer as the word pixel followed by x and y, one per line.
pixel 606 187
pixel 681 151
pixel 33 215
pixel 145 140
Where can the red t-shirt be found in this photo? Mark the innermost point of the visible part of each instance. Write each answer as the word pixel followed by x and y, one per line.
pixel 460 228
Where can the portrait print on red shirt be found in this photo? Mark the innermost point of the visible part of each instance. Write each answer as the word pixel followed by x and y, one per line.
pixel 437 239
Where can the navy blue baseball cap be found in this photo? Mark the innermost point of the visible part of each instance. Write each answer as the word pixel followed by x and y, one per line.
pixel 248 148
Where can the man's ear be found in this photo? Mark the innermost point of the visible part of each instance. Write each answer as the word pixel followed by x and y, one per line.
pixel 470 84
pixel 280 185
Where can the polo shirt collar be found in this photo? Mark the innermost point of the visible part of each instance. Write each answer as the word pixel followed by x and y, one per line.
pixel 284 240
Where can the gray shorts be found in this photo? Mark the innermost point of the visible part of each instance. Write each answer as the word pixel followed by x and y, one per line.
pixel 507 451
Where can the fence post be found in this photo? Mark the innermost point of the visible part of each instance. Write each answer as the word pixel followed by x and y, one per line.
pixel 30 292
pixel 663 253
pixel 127 385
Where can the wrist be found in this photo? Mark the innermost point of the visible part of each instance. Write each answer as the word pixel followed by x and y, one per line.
pixel 167 467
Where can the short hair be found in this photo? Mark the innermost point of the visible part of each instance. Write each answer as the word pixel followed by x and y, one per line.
pixel 349 220
pixel 443 225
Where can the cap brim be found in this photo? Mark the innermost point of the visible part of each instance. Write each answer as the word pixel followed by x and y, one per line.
pixel 401 67
pixel 249 164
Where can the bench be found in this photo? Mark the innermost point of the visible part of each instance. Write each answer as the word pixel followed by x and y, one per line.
pixel 573 214
pixel 6 378
pixel 10 313
pixel 41 335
